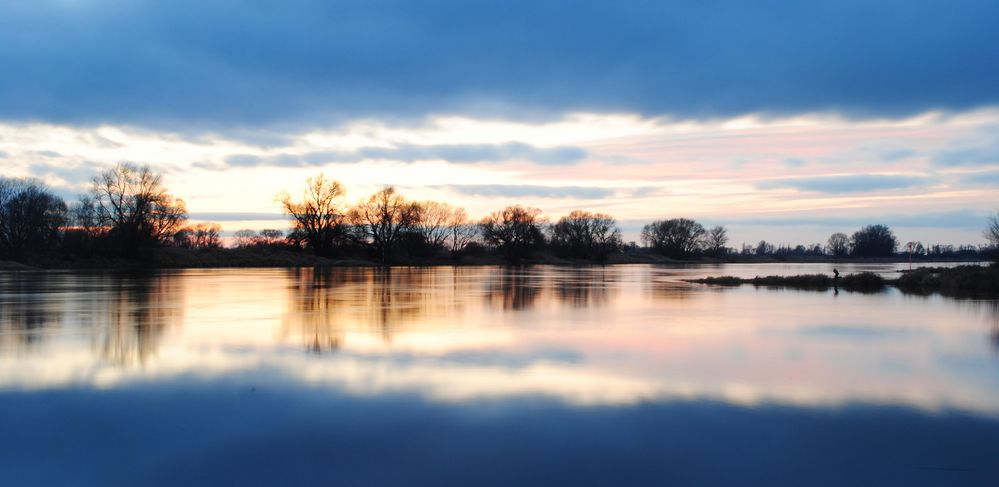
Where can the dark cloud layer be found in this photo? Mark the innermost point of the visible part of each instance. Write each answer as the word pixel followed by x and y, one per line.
pixel 230 64
pixel 457 153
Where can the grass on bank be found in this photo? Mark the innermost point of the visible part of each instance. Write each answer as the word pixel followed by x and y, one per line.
pixel 962 281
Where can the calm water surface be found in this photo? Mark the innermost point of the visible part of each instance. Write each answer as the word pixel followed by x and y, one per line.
pixel 620 375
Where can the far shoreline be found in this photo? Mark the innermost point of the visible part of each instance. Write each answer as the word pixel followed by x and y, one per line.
pixel 229 258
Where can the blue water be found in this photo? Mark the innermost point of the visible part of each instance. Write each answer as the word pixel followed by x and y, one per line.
pixel 488 376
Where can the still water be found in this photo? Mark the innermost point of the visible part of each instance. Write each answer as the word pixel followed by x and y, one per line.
pixel 618 375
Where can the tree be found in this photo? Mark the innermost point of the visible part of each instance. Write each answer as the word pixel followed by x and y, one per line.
pixel 992 231
pixel 675 238
pixel 132 204
pixel 874 241
pixel 31 217
pixel 319 216
pixel 244 238
pixel 838 245
pixel 715 240
pixel 200 236
pixel 383 218
pixel 992 235
pixel 270 237
pixel 432 223
pixel 585 235
pixel 461 231
pixel 515 231
pixel 764 248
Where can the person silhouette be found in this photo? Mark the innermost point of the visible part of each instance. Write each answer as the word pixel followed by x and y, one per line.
pixel 835 274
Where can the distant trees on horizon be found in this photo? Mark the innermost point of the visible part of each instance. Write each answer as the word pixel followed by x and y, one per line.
pixel 127 212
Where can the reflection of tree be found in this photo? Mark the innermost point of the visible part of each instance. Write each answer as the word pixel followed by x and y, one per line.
pixel 129 322
pixel 667 286
pixel 993 310
pixel 312 306
pixel 326 303
pixel 124 314
pixel 585 286
pixel 26 311
pixel 515 288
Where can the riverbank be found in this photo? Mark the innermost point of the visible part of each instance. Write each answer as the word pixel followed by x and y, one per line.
pixel 960 281
pixel 179 258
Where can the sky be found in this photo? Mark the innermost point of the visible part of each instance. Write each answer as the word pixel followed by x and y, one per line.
pixel 782 120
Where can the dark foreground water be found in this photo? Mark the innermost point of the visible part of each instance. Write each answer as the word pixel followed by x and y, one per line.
pixel 489 376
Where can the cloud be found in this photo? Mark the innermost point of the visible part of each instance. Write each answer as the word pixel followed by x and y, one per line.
pixel 459 153
pixel 955 219
pixel 979 155
pixel 981 178
pixel 230 65
pixel 897 154
pixel 76 175
pixel 505 190
pixel 854 183
pixel 235 216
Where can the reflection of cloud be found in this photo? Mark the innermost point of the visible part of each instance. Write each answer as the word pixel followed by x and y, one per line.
pixel 856 332
pixel 459 334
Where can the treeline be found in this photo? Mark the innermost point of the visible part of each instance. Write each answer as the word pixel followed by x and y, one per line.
pixel 128 213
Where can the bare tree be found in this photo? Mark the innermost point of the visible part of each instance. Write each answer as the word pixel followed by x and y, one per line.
pixel 383 218
pixel 764 248
pixel 461 230
pixel 319 215
pixel 715 240
pixel 838 244
pixel 200 236
pixel 433 222
pixel 244 238
pixel 271 237
pixel 676 237
pixel 582 234
pixel 31 216
pixel 992 231
pixel 132 204
pixel 515 231
pixel 992 235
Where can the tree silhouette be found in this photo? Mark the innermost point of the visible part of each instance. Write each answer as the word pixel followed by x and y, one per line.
pixel 838 245
pixel 383 218
pixel 874 241
pixel 585 235
pixel 131 203
pixel 515 231
pixel 319 216
pixel 675 238
pixel 30 216
pixel 715 240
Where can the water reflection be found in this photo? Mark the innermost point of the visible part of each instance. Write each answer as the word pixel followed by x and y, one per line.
pixel 123 316
pixel 586 335
pixel 589 286
pixel 514 288
pixel 507 376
